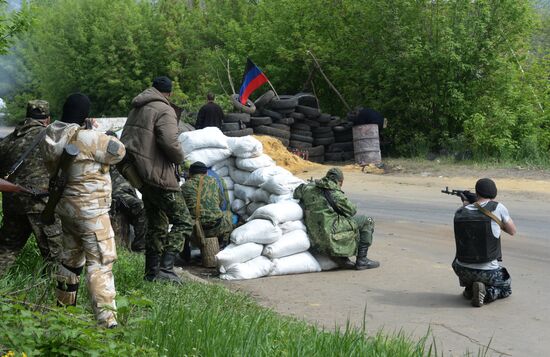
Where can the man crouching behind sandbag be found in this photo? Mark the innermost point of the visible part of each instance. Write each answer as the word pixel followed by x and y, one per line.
pixel 332 225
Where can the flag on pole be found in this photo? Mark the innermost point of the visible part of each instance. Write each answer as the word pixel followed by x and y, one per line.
pixel 252 79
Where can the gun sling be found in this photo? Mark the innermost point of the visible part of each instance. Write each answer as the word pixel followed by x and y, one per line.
pixel 330 200
pixel 489 214
pixel 197 228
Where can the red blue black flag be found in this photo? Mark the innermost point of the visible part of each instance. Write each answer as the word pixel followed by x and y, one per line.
pixel 252 79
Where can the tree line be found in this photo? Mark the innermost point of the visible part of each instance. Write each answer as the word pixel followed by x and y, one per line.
pixel 458 76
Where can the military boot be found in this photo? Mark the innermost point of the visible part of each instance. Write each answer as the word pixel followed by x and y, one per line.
pixel 343 262
pixel 152 262
pixel 68 281
pixel 166 271
pixel 362 262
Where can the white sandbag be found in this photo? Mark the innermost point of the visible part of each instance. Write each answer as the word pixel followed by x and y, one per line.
pixel 239 176
pixel 209 137
pixel 228 182
pixel 325 262
pixel 222 171
pixel 245 146
pixel 283 211
pixel 281 184
pixel 223 163
pixel 273 198
pixel 254 163
pixel 260 196
pixel 235 254
pixel 252 269
pixel 244 192
pixel 292 226
pixel 291 243
pixel 208 156
pixel 231 195
pixel 260 176
pixel 253 206
pixel 295 264
pixel 237 205
pixel 258 231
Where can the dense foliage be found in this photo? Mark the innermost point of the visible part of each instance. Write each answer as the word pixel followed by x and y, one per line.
pixel 451 76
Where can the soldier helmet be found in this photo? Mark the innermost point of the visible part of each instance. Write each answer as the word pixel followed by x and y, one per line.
pixel 335 174
pixel 486 188
pixel 38 109
pixel 198 168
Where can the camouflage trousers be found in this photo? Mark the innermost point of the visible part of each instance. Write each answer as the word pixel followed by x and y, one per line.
pixel 366 228
pixel 221 229
pixel 15 231
pixel 134 211
pixel 498 282
pixel 163 208
pixel 88 242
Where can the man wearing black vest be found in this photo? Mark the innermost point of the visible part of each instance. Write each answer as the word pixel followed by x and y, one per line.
pixel 477 229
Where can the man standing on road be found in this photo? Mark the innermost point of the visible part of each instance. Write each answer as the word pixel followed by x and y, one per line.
pixel 21 163
pixel 210 114
pixel 151 138
pixel 332 223
pixel 477 229
pixel 88 238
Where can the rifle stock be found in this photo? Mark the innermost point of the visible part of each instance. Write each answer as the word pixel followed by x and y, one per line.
pixel 6 186
pixel 58 182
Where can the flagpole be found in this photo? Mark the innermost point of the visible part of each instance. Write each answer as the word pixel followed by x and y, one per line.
pixel 271 85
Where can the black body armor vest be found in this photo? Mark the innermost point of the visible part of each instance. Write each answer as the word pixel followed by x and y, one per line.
pixel 474 238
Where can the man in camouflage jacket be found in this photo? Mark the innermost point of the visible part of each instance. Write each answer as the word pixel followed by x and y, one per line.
pixel 21 212
pixel 88 238
pixel 332 224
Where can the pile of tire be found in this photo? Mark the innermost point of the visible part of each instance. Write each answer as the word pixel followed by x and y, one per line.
pixel 342 148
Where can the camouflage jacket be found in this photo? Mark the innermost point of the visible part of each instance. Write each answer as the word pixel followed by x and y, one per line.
pixel 211 198
pixel 331 231
pixel 88 190
pixel 32 173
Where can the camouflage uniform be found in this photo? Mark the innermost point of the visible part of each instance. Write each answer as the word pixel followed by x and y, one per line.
pixel 21 212
pixel 126 201
pixel 88 238
pixel 215 222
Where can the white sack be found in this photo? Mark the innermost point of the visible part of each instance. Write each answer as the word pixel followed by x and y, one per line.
pixel 245 146
pixel 207 156
pixel 254 163
pixel 281 184
pixel 237 205
pixel 283 211
pixel 239 176
pixel 289 244
pixel 325 262
pixel 278 198
pixel 260 196
pixel 228 182
pixel 235 254
pixel 258 231
pixel 222 171
pixel 223 163
pixel 244 192
pixel 253 206
pixel 252 269
pixel 260 176
pixel 295 264
pixel 210 137
pixel 292 226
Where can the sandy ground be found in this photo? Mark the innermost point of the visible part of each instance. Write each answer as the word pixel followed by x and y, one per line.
pixel 415 290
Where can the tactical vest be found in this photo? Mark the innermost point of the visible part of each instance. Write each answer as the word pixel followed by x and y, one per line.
pixel 475 242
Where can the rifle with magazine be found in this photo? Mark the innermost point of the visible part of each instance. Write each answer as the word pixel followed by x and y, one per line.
pixel 6 186
pixel 464 195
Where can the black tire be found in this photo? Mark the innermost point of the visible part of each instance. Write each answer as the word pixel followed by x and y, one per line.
pixel 341 129
pixel 299 144
pixel 285 112
pixel 333 123
pixel 285 121
pixel 323 118
pixel 270 113
pixel 266 130
pixel 318 150
pixel 322 130
pixel 339 147
pixel 301 132
pixel 318 159
pixel 238 133
pixel 311 123
pixel 237 117
pixel 297 115
pixel 301 126
pixel 255 121
pixel 249 108
pixel 307 99
pixel 284 102
pixel 343 138
pixel 264 99
pixel 309 112
pixel 280 126
pixel 231 127
pixel 323 141
pixel 305 139
pixel 340 156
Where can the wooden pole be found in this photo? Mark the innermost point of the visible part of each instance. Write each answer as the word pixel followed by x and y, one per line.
pixel 273 88
pixel 328 81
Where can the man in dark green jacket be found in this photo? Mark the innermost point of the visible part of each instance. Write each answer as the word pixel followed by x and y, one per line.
pixel 333 227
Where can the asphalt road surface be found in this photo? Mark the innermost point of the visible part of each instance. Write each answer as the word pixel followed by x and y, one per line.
pixel 415 289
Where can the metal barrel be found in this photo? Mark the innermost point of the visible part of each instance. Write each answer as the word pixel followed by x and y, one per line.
pixel 366 144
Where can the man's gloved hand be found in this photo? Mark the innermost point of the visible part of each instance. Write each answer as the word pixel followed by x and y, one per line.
pixel 468 196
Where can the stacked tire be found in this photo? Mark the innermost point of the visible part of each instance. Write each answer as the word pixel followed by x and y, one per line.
pixel 342 148
pixel 272 116
pixel 234 124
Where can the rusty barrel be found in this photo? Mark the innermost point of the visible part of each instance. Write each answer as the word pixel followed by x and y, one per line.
pixel 366 144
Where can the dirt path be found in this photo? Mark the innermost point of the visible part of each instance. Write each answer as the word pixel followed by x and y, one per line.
pixel 415 289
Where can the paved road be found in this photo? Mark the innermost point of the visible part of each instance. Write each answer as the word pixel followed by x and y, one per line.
pixel 415 289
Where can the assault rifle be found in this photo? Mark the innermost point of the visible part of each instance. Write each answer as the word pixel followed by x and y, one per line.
pixel 58 182
pixel 464 195
pixel 6 186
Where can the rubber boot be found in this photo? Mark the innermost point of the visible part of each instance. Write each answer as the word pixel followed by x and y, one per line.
pixel 152 262
pixel 166 271
pixel 362 262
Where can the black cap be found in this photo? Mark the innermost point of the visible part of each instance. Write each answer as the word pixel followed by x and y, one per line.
pixel 163 84
pixel 198 168
pixel 76 108
pixel 486 188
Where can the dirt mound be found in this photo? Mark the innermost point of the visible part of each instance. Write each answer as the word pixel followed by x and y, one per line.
pixel 284 158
